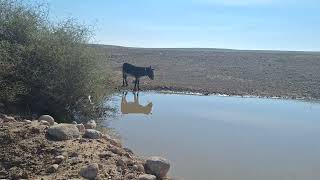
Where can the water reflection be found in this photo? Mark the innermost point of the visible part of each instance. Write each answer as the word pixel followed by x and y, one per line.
pixel 134 107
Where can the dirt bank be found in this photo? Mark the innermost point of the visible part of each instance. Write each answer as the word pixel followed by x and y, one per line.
pixel 28 152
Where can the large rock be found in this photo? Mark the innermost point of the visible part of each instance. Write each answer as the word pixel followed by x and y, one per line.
pixel 64 131
pixel 90 171
pixel 92 134
pixel 47 118
pixel 90 124
pixel 147 177
pixel 158 166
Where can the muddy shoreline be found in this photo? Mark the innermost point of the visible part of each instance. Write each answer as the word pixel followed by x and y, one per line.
pixel 206 92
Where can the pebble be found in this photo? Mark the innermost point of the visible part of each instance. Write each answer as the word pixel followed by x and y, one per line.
pixel 59 159
pixel 43 122
pixel 147 177
pixel 53 168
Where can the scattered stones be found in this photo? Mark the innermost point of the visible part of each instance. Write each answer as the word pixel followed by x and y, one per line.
pixel 43 122
pixel 92 134
pixel 158 166
pixel 90 171
pixel 64 131
pixel 147 177
pixel 53 168
pixel 81 128
pixel 47 118
pixel 90 124
pixel 59 159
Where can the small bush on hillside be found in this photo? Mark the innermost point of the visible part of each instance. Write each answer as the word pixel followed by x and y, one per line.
pixel 47 67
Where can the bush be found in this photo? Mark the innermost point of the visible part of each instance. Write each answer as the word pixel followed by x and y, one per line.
pixel 48 67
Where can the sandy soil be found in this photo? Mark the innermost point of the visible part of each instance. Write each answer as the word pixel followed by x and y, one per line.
pixel 258 73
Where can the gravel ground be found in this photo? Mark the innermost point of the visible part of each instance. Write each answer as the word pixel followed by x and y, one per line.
pixel 232 72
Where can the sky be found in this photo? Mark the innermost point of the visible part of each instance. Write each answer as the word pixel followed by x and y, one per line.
pixel 233 24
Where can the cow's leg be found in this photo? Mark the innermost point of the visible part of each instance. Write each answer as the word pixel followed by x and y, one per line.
pixel 138 84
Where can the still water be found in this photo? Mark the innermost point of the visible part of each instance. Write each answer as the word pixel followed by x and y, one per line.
pixel 223 138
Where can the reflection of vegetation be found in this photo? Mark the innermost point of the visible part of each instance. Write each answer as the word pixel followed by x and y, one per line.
pixel 47 67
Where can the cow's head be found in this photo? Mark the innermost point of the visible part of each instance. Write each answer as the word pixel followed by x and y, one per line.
pixel 150 72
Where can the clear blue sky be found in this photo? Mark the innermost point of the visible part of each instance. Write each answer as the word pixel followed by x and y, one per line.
pixel 237 24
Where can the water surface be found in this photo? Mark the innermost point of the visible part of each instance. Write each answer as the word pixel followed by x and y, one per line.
pixel 224 138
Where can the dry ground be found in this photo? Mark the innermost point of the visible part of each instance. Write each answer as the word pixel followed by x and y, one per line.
pixel 259 73
pixel 27 153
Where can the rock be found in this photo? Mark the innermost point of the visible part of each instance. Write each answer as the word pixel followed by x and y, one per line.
pixel 47 118
pixel 53 168
pixel 59 159
pixel 92 134
pixel 112 141
pixel 90 171
pixel 27 121
pixel 147 177
pixel 121 163
pixel 74 160
pixel 74 122
pixel 129 176
pixel 90 124
pixel 55 123
pixel 140 167
pixel 8 119
pixel 116 150
pixel 43 122
pixel 64 131
pixel 158 166
pixel 81 128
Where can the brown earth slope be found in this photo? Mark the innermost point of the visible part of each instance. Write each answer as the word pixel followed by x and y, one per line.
pixel 260 73
pixel 26 152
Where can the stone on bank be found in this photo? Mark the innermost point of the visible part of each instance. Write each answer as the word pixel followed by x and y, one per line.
pixel 64 131
pixel 90 171
pixel 47 118
pixel 92 134
pixel 158 166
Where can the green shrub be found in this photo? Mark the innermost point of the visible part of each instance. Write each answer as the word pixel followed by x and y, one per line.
pixel 48 67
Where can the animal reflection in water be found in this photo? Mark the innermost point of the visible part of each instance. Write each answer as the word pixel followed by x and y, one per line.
pixel 134 107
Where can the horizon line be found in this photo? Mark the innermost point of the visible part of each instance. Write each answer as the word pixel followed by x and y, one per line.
pixel 208 48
